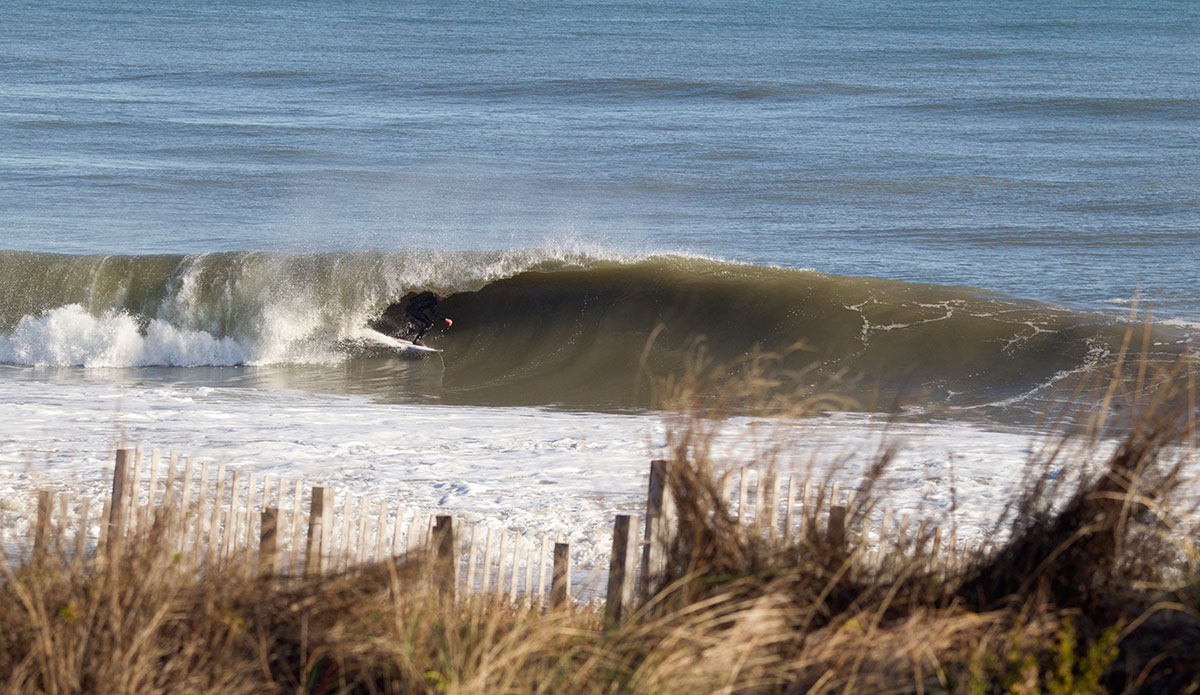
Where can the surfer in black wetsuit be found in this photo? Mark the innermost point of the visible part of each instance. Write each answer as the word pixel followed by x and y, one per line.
pixel 417 306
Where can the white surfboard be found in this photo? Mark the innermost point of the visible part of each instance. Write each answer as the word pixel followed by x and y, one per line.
pixel 376 338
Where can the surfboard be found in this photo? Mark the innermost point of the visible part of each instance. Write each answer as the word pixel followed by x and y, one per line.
pixel 402 344
pixel 375 337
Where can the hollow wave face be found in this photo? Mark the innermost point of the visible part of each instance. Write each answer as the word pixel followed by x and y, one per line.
pixel 551 327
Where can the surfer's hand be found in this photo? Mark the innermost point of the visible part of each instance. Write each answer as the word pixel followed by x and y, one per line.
pixel 449 323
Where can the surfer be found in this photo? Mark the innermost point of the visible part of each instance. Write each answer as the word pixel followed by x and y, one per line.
pixel 417 306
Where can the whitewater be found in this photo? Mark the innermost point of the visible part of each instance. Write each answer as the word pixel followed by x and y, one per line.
pixel 535 472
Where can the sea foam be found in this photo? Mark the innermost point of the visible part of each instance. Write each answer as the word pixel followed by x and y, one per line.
pixel 70 336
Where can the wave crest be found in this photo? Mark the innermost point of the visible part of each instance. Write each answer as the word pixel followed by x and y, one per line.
pixel 536 327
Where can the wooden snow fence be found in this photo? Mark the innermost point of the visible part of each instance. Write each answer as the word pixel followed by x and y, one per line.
pixel 777 509
pixel 215 517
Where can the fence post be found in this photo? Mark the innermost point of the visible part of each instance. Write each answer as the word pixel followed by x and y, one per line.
pixel 41 534
pixel 444 560
pixel 660 508
pixel 622 568
pixel 560 582
pixel 116 511
pixel 836 533
pixel 268 547
pixel 320 517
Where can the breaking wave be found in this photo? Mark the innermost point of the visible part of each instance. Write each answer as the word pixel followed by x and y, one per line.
pixel 543 326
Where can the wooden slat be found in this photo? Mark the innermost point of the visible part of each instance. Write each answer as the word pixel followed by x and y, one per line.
pixel 660 511
pixel 885 527
pixel 135 496
pixel 152 486
pixel 169 493
pixel 231 527
pixel 412 541
pixel 500 565
pixel 64 523
pixel 380 532
pixel 269 492
pixel 541 575
pixel 343 550
pixel 445 559
pixel 836 533
pixel 518 545
pixel 203 531
pixel 530 554
pixel 43 526
pixel 472 555
pixel 299 527
pixel 486 577
pixel 58 524
pixel 105 516
pixel 364 528
pixel 743 493
pixel 247 519
pixel 790 512
pixel 320 513
pixel 560 588
pixel 902 535
pixel 772 508
pixel 268 548
pixel 185 504
pixel 116 510
pixel 808 515
pixel 622 568
pixel 81 534
pixel 398 533
pixel 760 501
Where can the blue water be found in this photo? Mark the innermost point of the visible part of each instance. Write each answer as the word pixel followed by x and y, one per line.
pixel 1044 150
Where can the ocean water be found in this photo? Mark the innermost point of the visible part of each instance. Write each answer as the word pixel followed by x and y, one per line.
pixel 954 206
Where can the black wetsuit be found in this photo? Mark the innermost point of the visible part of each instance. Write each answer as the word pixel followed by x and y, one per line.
pixel 417 306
